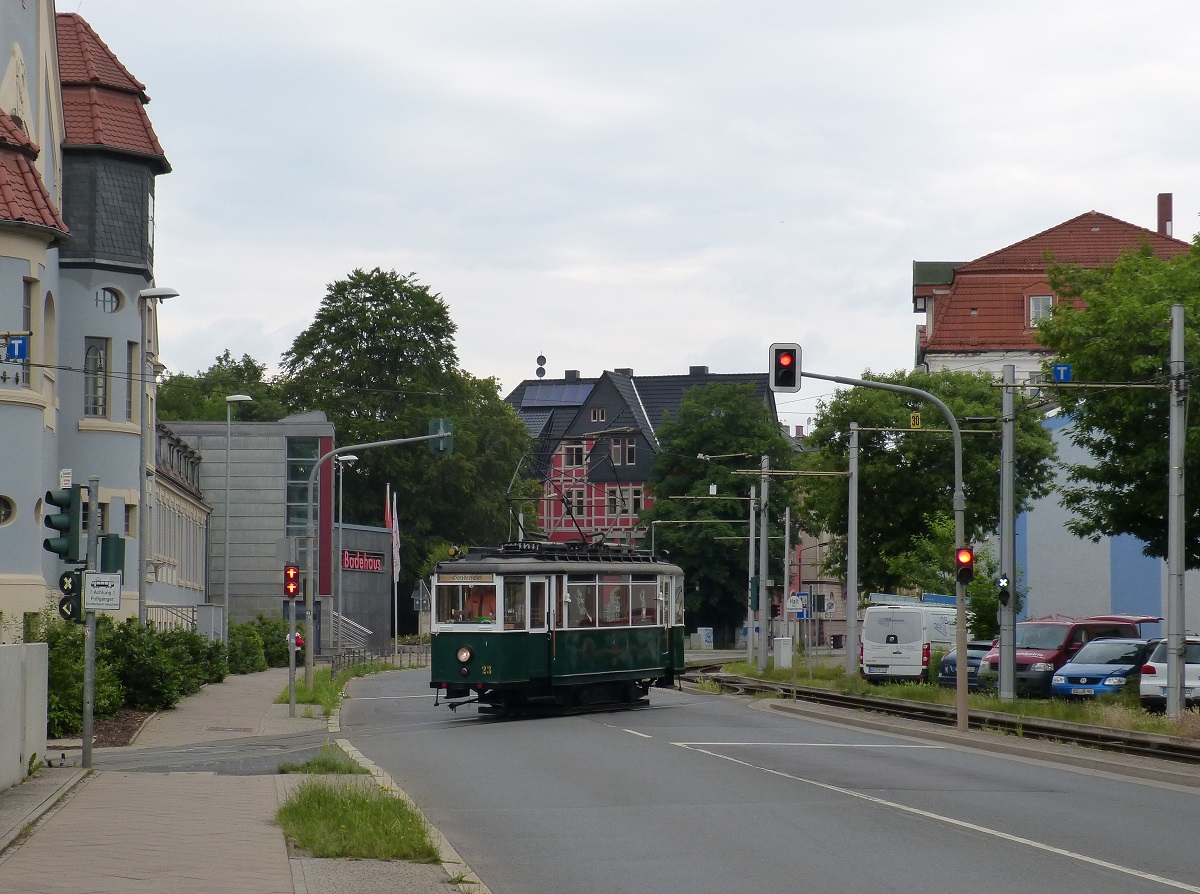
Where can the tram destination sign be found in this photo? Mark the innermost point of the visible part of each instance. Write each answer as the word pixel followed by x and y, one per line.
pixel 464 578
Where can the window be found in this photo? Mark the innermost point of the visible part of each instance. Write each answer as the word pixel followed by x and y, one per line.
pixel 616 452
pixel 614 600
pixel 645 600
pixel 8 510
pixel 131 358
pixel 581 600
pixel 108 300
pixel 630 451
pixel 574 502
pixel 514 603
pixel 634 499
pixel 597 414
pixel 27 325
pixel 615 502
pixel 302 453
pixel 466 603
pixel 1039 308
pixel 573 454
pixel 95 377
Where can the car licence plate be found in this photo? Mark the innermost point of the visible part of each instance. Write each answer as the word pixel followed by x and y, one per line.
pixel 1078 691
pixel 876 670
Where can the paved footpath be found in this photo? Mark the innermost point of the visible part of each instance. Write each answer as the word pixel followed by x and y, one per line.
pixel 186 833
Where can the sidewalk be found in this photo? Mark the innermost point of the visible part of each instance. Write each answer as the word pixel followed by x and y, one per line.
pixel 129 832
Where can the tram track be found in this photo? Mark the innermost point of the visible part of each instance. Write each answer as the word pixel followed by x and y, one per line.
pixel 1132 742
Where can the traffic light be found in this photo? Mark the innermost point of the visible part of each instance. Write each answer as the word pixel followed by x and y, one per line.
pixel 444 444
pixel 964 564
pixel 291 581
pixel 71 604
pixel 1005 595
pixel 785 367
pixel 71 545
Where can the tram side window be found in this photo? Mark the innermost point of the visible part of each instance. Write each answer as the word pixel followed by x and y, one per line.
pixel 677 583
pixel 458 604
pixel 514 603
pixel 644 608
pixel 581 610
pixel 614 601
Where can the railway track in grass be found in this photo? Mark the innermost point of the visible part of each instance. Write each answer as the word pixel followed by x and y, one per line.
pixel 1174 748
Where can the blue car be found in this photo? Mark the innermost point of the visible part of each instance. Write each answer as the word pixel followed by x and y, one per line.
pixel 948 669
pixel 1101 667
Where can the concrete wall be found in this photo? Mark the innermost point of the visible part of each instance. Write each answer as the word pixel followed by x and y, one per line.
pixel 23 684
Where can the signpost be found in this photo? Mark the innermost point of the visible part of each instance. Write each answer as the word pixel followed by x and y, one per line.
pixel 101 591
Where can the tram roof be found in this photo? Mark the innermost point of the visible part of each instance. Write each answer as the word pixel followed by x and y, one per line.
pixel 535 557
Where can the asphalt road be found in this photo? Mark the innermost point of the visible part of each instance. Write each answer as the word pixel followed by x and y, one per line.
pixel 704 793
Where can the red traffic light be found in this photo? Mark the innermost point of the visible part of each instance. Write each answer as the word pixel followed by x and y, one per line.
pixel 786 358
pixel 291 580
pixel 785 367
pixel 964 564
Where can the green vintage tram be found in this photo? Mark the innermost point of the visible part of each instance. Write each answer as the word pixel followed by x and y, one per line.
pixel 568 624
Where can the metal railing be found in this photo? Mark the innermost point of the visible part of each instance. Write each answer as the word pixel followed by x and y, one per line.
pixel 405 655
pixel 353 634
pixel 163 617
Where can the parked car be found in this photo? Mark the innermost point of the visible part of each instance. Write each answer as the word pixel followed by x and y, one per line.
pixel 1102 667
pixel 948 669
pixel 1153 685
pixel 1043 645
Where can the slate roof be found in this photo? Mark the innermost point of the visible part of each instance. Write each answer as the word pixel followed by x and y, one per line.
pixel 23 196
pixel 986 308
pixel 103 104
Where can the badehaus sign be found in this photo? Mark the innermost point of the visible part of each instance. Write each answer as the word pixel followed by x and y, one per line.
pixel 357 560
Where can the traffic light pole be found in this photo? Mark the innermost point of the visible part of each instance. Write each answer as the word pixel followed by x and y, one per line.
pixel 89 630
pixel 960 588
pixel 1008 538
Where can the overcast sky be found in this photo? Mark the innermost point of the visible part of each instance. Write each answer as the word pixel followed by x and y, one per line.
pixel 653 185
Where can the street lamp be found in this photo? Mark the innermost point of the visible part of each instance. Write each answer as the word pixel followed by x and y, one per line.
pixel 346 459
pixel 146 300
pixel 229 402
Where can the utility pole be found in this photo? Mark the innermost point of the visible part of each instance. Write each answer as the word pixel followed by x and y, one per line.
pixel 1175 520
pixel 764 609
pixel 750 583
pixel 1008 538
pixel 851 657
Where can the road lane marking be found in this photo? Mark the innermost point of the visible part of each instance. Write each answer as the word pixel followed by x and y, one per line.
pixel 384 698
pixel 961 824
pixel 634 732
pixel 800 745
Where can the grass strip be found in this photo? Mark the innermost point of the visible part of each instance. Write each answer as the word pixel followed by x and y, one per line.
pixel 354 822
pixel 329 760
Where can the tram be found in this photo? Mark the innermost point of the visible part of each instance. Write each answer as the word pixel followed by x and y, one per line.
pixel 556 624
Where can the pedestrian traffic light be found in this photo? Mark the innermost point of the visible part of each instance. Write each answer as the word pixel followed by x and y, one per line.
pixel 1005 595
pixel 964 564
pixel 785 367
pixel 70 607
pixel 70 545
pixel 291 581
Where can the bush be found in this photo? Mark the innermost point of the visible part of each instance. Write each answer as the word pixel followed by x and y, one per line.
pixel 199 659
pixel 273 633
pixel 245 650
pixel 64 703
pixel 153 677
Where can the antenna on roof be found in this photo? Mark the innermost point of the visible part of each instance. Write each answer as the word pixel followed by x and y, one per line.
pixel 541 366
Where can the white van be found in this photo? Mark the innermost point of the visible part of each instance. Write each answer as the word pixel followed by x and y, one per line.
pixel 898 641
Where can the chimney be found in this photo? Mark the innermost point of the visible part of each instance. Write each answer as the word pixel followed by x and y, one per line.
pixel 571 375
pixel 1164 214
pixel 624 371
pixel 697 370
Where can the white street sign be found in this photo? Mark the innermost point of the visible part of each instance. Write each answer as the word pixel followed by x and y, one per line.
pixel 101 591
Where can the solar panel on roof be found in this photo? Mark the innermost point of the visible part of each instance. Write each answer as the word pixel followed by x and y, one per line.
pixel 555 394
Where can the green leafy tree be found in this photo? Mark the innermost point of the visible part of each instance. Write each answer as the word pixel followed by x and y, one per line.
pixel 202 396
pixel 379 359
pixel 706 537
pixel 906 476
pixel 1112 325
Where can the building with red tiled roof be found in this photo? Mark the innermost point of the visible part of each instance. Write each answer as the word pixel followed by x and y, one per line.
pixel 982 314
pixel 24 199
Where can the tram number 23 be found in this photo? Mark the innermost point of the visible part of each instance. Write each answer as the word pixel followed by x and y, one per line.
pixel 485 670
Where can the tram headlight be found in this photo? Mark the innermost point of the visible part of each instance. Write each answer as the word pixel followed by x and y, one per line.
pixel 464 654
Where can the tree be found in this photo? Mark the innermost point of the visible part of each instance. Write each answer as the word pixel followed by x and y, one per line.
pixel 379 359
pixel 1111 325
pixel 202 396
pixel 730 424
pixel 906 476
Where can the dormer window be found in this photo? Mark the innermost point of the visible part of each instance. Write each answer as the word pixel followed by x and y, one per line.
pixel 597 414
pixel 1039 309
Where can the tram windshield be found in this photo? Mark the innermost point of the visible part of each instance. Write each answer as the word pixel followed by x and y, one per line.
pixel 466 603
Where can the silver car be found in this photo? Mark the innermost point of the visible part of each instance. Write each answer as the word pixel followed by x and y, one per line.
pixel 1154 676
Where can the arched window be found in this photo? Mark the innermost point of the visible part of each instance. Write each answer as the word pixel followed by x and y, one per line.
pixel 95 377
pixel 108 300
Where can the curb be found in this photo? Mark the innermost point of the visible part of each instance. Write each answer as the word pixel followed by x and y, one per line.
pixel 452 863
pixel 47 804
